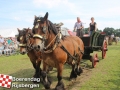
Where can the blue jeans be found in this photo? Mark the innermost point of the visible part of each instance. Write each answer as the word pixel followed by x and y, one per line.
pixel 91 32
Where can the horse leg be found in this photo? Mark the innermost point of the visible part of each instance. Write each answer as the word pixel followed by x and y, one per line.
pixel 37 70
pixel 78 69
pixel 60 84
pixel 73 73
pixel 46 81
pixel 34 65
pixel 47 68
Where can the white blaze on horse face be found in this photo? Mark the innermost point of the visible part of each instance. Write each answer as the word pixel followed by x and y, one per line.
pixel 37 25
pixel 21 37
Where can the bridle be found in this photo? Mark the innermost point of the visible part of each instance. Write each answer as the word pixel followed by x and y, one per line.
pixel 44 28
pixel 22 44
pixel 29 46
pixel 44 39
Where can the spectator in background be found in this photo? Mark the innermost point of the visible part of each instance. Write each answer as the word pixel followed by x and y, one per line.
pixel 9 41
pixel 79 26
pixel 1 43
pixel 92 26
pixel 1 40
pixel 6 49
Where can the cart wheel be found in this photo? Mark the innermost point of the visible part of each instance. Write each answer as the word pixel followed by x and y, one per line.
pixel 104 49
pixel 94 60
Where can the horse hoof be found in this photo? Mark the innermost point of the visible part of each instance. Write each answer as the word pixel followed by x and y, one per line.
pixel 60 86
pixel 78 71
pixel 46 85
pixel 73 75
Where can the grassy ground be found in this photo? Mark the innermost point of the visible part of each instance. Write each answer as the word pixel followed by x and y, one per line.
pixel 106 75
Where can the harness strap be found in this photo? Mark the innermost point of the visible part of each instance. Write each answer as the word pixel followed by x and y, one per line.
pixel 81 50
pixel 68 52
pixel 50 50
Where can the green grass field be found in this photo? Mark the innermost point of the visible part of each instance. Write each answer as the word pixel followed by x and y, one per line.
pixel 106 75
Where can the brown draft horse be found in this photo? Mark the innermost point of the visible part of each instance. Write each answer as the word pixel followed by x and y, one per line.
pixel 25 38
pixel 57 50
pixel 24 48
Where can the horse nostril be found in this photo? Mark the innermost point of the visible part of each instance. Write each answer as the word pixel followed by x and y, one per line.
pixel 38 47
pixel 34 47
pixel 23 52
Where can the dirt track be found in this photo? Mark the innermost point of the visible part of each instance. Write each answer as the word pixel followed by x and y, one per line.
pixel 75 84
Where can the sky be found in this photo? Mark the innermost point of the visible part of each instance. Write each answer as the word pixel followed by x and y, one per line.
pixel 20 13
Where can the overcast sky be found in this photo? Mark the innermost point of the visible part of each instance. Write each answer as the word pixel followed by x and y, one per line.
pixel 20 13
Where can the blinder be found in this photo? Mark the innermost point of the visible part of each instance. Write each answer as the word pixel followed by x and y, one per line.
pixel 44 29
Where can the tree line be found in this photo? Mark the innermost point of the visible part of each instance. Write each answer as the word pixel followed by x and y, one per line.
pixel 107 30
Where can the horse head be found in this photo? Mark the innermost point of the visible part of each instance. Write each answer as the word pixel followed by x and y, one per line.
pixel 44 31
pixel 23 39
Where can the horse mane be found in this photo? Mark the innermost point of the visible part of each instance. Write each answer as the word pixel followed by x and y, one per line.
pixel 52 27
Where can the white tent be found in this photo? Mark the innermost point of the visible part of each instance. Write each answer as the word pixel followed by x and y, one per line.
pixel 9 34
pixel 12 34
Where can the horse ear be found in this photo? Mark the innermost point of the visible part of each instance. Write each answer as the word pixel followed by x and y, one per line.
pixel 46 16
pixel 27 30
pixel 18 29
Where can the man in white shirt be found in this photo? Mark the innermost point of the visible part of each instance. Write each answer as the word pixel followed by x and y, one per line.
pixel 79 27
